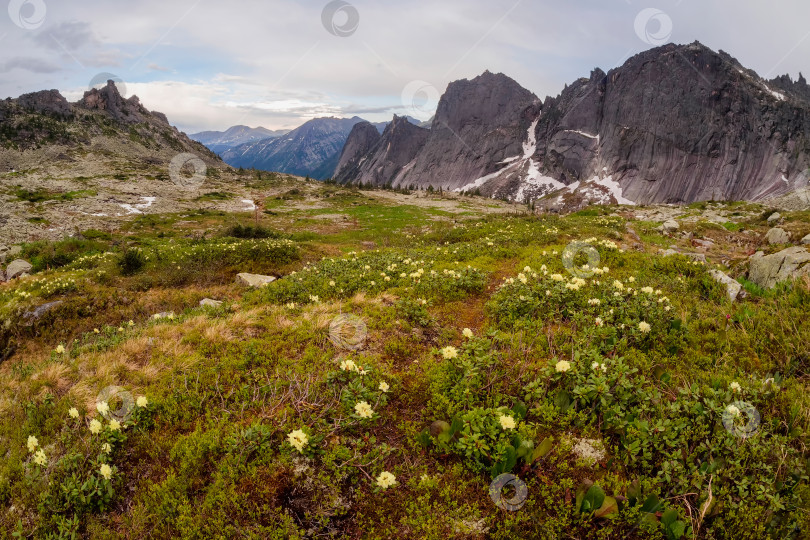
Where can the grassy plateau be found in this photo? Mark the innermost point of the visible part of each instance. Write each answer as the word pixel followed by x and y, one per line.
pixel 406 357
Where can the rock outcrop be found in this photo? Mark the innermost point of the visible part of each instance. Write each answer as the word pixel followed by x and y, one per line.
pixel 768 270
pixel 254 280
pixel 733 286
pixel 108 99
pixel 103 124
pixel 361 140
pixel 389 158
pixel 777 236
pixel 49 102
pixel 479 123
pixel 17 268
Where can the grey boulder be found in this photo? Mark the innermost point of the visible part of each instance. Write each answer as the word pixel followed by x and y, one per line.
pixel 774 218
pixel 254 280
pixel 669 226
pixel 768 270
pixel 207 302
pixel 732 285
pixel 777 236
pixel 18 268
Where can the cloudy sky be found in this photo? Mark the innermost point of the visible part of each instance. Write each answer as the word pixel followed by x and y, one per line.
pixel 210 64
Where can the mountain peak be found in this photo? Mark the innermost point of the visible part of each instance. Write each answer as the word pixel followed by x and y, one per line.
pixel 110 100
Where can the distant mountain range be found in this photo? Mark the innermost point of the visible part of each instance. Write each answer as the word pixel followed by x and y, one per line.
pixel 675 124
pixel 220 141
pixel 312 149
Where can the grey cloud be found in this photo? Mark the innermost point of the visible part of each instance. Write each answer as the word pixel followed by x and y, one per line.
pixel 73 35
pixel 34 65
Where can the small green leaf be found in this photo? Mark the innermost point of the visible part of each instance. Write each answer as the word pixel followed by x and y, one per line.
pixel 634 492
pixel 510 460
pixel 562 400
pixel 609 508
pixel 669 517
pixel 651 505
pixel 438 427
pixel 524 448
pixel 677 530
pixel 520 410
pixel 593 499
pixel 543 449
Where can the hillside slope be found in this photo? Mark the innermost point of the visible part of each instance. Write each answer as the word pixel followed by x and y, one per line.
pixel 102 132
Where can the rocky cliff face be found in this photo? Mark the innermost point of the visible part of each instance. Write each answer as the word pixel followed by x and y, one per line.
pixel 388 157
pixel 361 140
pixel 679 123
pixel 676 124
pixel 49 102
pixel 478 124
pixel 129 111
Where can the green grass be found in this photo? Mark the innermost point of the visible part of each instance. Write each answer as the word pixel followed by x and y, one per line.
pixel 42 195
pixel 210 455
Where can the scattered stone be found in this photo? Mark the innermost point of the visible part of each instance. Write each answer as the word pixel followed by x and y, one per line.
pixel 732 285
pixel 207 302
pixel 14 251
pixel 777 236
pixel 254 280
pixel 768 270
pixel 806 240
pixel 776 217
pixel 35 314
pixel 705 244
pixel 368 245
pixel 17 268
pixel 669 226
pixel 700 257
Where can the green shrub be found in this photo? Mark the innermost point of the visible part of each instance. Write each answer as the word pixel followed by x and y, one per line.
pixel 131 261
